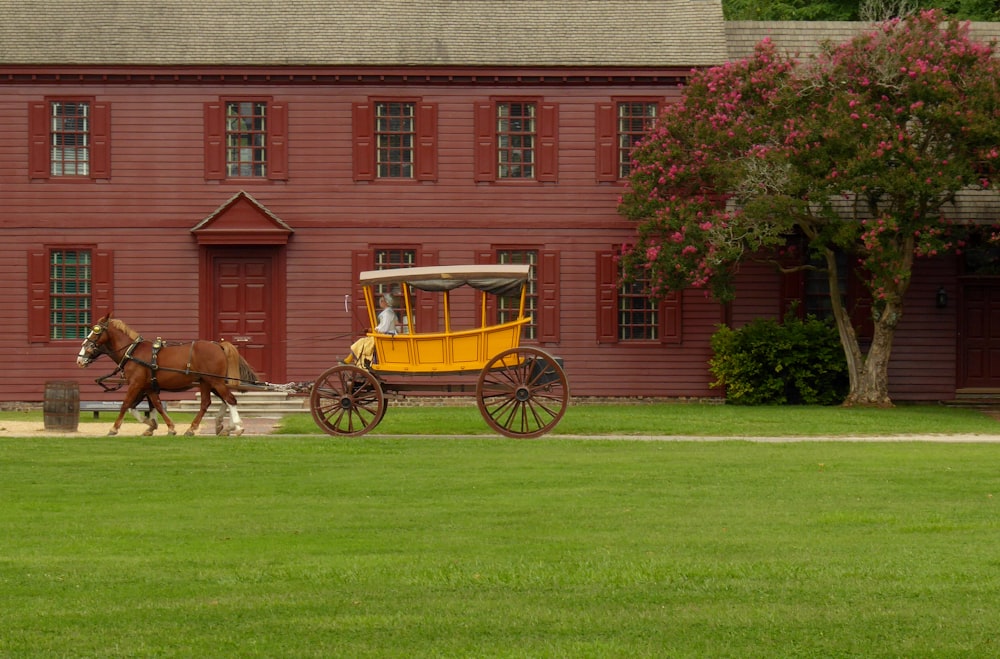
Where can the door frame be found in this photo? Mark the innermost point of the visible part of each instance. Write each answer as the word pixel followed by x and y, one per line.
pixel 206 292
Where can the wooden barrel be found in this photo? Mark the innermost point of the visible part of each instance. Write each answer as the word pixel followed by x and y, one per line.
pixel 62 405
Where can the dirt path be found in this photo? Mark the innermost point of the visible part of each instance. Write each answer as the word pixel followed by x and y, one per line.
pixel 252 426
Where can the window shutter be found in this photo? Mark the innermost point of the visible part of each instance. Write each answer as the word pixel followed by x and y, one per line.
pixel 277 135
pixel 364 142
pixel 485 156
pixel 215 134
pixel 360 321
pixel 671 321
pixel 39 163
pixel 102 275
pixel 100 141
pixel 548 297
pixel 548 143
pixel 427 303
pixel 427 153
pixel 38 296
pixel 607 147
pixel 607 298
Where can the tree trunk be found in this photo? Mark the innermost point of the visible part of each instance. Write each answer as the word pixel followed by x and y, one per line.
pixel 869 374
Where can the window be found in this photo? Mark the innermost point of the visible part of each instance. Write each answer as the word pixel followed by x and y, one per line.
pixel 69 139
pixel 66 286
pixel 246 138
pixel 620 124
pixel 516 140
pixel 635 120
pixel 394 133
pixel 508 305
pixel 638 318
pixel 390 259
pixel 626 313
pixel 395 140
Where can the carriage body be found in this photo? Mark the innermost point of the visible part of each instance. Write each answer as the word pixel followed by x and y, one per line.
pixel 451 350
pixel 521 391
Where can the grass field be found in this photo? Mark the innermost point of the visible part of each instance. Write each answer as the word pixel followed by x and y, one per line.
pixel 312 546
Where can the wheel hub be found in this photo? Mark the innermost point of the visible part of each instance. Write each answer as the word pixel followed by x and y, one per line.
pixel 522 394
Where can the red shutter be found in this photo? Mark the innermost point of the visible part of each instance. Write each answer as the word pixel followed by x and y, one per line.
pixel 364 142
pixel 102 274
pixel 427 303
pixel 671 320
pixel 215 134
pixel 548 143
pixel 100 141
pixel 606 147
pixel 427 153
pixel 38 296
pixel 607 297
pixel 360 322
pixel 485 164
pixel 277 135
pixel 39 164
pixel 548 297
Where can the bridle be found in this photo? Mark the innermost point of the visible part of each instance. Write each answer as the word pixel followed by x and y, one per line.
pixel 91 349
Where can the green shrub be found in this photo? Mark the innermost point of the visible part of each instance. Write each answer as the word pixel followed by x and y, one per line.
pixel 799 362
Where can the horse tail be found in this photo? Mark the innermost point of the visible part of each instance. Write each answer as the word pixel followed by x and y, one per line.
pixel 238 370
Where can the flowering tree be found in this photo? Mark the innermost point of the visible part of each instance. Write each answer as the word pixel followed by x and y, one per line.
pixel 860 150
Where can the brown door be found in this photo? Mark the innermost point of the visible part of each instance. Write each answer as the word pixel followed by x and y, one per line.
pixel 243 301
pixel 979 348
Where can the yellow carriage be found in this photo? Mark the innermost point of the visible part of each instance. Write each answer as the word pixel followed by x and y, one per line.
pixel 521 391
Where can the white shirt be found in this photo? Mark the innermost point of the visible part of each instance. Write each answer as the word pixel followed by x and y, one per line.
pixel 386 321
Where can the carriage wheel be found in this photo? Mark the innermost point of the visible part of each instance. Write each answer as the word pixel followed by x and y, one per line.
pixel 522 392
pixel 347 400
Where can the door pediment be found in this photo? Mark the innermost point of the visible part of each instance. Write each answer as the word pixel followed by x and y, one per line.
pixel 242 220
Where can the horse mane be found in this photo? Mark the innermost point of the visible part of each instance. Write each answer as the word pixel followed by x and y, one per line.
pixel 122 327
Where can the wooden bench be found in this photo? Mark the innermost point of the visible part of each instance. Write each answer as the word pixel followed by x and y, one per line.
pixel 98 406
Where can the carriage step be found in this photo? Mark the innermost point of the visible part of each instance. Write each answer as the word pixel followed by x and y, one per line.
pixel 98 406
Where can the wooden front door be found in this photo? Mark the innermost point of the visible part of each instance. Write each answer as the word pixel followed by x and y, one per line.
pixel 979 347
pixel 243 305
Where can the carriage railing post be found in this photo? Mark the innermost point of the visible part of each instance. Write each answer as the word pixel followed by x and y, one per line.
pixel 408 305
pixel 447 311
pixel 370 306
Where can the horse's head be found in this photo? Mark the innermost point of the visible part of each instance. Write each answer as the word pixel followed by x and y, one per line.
pixel 95 344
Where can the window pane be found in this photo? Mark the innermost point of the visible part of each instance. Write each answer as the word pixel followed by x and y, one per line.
pixel 70 137
pixel 516 140
pixel 246 139
pixel 69 294
pixel 394 138
pixel 638 317
pixel 507 305
pixel 635 120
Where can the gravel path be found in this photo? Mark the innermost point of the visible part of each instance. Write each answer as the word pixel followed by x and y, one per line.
pixel 252 426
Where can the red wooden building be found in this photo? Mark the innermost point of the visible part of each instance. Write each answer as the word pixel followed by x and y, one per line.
pixel 226 169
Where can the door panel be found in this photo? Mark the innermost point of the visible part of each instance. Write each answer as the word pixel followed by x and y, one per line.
pixel 979 350
pixel 243 297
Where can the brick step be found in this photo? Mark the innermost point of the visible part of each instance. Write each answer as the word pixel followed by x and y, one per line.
pixel 255 403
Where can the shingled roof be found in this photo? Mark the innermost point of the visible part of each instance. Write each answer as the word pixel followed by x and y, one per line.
pixel 540 33
pixel 805 38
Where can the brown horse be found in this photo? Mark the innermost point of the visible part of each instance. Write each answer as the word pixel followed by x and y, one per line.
pixel 149 368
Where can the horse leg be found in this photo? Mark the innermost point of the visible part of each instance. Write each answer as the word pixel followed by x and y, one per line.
pixel 206 400
pixel 220 420
pixel 132 396
pixel 154 401
pixel 223 392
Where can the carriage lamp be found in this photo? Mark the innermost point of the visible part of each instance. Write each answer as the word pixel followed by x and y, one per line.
pixel 942 298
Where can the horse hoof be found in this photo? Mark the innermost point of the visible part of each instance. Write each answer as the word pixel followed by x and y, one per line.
pixel 148 433
pixel 171 432
pixel 112 432
pixel 238 432
pixel 189 433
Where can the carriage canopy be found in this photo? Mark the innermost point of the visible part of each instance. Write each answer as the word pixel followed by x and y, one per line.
pixel 494 279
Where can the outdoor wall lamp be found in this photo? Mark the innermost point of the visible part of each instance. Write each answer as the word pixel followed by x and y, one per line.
pixel 942 298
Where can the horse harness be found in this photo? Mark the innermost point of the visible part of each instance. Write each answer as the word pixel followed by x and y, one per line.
pixel 152 365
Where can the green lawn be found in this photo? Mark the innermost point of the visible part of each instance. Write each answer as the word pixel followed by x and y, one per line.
pixel 313 546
